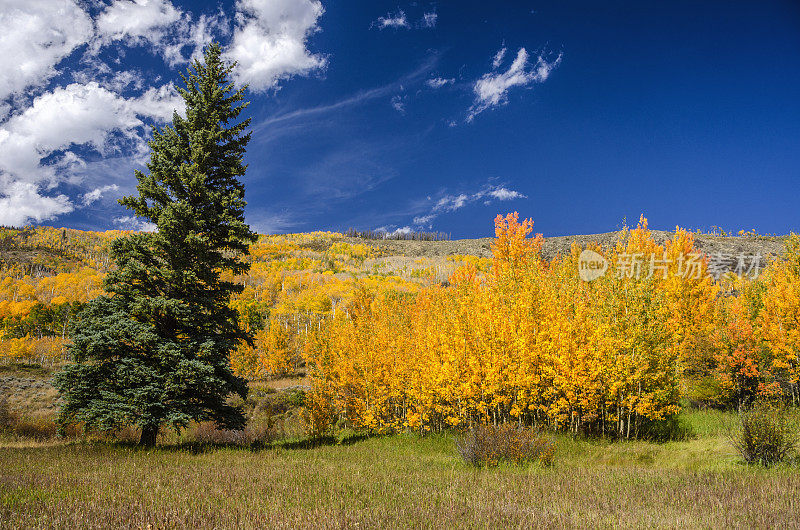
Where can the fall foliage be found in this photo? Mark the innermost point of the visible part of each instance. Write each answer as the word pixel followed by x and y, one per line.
pixel 393 344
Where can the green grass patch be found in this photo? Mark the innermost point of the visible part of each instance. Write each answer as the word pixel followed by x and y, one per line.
pixel 400 481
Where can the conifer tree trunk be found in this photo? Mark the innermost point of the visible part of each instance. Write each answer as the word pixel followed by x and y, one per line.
pixel 149 435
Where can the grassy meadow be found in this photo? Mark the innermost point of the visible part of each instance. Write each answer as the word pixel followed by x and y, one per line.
pixel 396 481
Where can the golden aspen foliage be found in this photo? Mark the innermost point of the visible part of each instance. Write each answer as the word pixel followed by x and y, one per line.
pixel 780 317
pixel 393 343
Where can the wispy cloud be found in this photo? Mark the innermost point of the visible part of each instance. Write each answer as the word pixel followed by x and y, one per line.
pixel 266 222
pixel 399 104
pixel 504 194
pixel 449 202
pixel 399 20
pixel 491 90
pixel 134 223
pixel 497 60
pixel 351 101
pixel 348 170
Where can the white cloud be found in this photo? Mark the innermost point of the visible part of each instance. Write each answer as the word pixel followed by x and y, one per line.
pixel 429 20
pixel 81 131
pixel 424 219
pixel 159 24
pixel 392 20
pixel 134 223
pixel 492 88
pixel 504 194
pixel 21 202
pixel 270 38
pixel 76 115
pixel 121 80
pixel 402 231
pixel 37 146
pixel 448 203
pixel 140 20
pixel 34 37
pixel 451 203
pixel 97 193
pixel 438 82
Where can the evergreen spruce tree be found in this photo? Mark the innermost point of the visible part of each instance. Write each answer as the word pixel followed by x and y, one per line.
pixel 155 351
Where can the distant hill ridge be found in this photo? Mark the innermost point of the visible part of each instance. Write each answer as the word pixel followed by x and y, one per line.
pixel 47 247
pixel 749 245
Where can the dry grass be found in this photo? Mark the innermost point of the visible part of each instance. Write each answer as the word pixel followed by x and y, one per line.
pixel 398 481
pixel 27 389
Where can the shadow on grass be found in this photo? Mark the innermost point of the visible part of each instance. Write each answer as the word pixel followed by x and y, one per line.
pixel 320 441
pixel 310 442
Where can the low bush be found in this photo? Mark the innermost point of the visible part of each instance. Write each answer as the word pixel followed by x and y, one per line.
pixel 488 445
pixel 36 428
pixel 255 433
pixel 8 419
pixel 767 435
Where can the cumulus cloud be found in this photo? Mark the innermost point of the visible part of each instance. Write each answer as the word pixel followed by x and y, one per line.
pixel 159 24
pixel 438 82
pixel 447 203
pixel 80 131
pixel 21 202
pixel 76 115
pixel 392 20
pixel 270 39
pixel 141 20
pixel 35 37
pixel 38 146
pixel 491 90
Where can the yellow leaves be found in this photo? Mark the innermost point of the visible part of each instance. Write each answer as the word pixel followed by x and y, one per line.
pixel 780 316
pixel 13 309
pixel 276 352
pixel 31 349
pixel 529 341
pixel 512 248
pixel 389 345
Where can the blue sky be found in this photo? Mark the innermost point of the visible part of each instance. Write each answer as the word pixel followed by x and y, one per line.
pixel 420 115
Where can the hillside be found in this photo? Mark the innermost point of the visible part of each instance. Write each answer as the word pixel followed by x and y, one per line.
pixel 706 243
pixel 21 248
pixel 295 282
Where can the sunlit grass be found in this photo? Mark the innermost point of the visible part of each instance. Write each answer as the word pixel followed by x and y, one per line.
pixel 396 481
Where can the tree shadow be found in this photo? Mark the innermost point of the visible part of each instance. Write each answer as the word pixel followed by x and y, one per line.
pixel 196 448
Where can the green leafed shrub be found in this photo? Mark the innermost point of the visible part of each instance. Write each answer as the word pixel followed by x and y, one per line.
pixel 488 445
pixel 767 435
